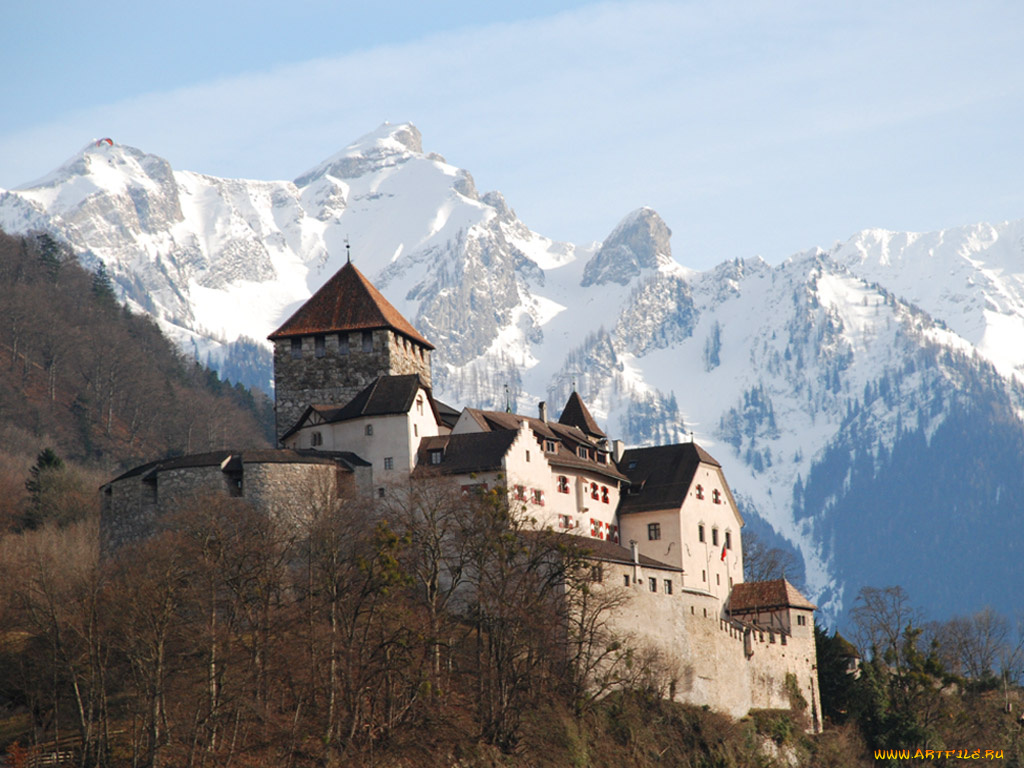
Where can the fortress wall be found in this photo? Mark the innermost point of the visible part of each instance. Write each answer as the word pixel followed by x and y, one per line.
pixel 702 653
pixel 290 493
pixel 714 661
pixel 771 663
pixel 127 514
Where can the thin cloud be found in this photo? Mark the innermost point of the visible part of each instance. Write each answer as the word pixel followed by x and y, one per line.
pixel 712 113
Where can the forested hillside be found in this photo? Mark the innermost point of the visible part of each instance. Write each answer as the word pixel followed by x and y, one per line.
pixel 97 385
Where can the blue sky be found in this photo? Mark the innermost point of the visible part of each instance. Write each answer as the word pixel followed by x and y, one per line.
pixel 753 128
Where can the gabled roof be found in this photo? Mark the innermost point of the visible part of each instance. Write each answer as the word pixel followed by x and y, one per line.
pixel 751 596
pixel 576 414
pixel 448 415
pixel 660 476
pixel 567 437
pixel 347 302
pixel 466 452
pixel 385 396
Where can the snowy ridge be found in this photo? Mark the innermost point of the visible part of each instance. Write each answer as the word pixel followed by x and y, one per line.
pixel 766 366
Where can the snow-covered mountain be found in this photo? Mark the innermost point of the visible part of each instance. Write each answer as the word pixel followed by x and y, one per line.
pixel 811 380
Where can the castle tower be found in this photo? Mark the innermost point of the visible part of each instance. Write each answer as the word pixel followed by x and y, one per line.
pixel 337 343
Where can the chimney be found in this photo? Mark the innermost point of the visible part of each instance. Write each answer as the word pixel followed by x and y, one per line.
pixel 618 448
pixel 543 408
pixel 635 551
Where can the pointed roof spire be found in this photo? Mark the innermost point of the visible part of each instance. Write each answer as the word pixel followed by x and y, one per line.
pixel 347 302
pixel 575 414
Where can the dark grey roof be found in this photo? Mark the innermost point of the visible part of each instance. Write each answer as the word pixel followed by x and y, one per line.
pixel 234 460
pixel 567 438
pixel 659 477
pixel 448 415
pixel 608 551
pixel 466 452
pixel 385 396
pixel 575 414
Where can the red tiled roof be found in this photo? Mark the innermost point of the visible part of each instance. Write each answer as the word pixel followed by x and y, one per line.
pixel 347 302
pixel 753 595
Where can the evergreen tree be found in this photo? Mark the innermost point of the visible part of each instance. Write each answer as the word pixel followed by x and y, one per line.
pixel 103 288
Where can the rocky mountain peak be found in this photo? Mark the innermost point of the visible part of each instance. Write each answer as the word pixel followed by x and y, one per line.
pixel 387 145
pixel 640 241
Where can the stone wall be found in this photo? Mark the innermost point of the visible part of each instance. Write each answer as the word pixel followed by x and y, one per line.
pixel 714 661
pixel 132 506
pixel 334 373
pixel 291 492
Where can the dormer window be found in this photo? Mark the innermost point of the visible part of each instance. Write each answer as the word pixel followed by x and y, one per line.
pixel 435 455
pixel 582 452
pixel 549 446
pixel 632 465
pixel 602 458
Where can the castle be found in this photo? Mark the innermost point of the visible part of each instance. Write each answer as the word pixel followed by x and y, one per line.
pixel 354 404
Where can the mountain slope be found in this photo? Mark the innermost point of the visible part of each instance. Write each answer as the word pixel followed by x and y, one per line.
pixel 792 375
